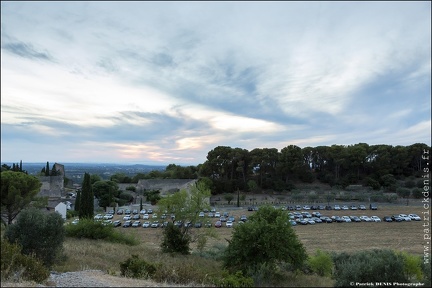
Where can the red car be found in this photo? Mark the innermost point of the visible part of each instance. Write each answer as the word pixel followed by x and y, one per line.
pixel 218 224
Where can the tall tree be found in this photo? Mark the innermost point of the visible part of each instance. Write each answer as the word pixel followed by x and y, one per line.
pixel 47 170
pixel 17 191
pixel 78 201
pixel 87 198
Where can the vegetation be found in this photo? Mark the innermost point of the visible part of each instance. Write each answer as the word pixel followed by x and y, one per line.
pixel 86 199
pixel 266 238
pixel 16 267
pixel 321 263
pixel 186 206
pixel 39 234
pixel 18 190
pixel 90 229
pixel 136 267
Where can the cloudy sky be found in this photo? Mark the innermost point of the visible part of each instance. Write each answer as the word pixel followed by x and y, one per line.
pixel 166 82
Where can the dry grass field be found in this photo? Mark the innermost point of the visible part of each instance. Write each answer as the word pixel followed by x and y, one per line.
pixel 348 237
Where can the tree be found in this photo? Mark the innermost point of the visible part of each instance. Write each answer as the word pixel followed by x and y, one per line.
pixel 47 170
pixel 267 238
pixel 87 198
pixel 229 198
pixel 186 207
pixel 18 190
pixel 78 201
pixel 39 234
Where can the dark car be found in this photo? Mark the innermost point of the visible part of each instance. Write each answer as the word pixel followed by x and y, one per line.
pixel 396 218
pixel 321 207
pixel 373 207
pixel 120 212
pixel 117 223
pixel 337 219
pixel 208 224
pixel 198 225
pixel 328 207
pixel 387 219
pixel 250 208
pixel 218 224
pixel 355 218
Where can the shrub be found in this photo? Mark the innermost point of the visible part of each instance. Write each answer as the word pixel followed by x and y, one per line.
pixel 417 193
pixel 38 233
pixel 19 266
pixel 321 263
pixel 410 184
pixel 368 266
pixel 135 267
pixel 174 241
pixel 126 196
pixel 131 188
pixel 412 266
pixel 233 280
pixel 90 229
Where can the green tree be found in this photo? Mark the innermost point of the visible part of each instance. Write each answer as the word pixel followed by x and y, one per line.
pixel 229 198
pixel 95 178
pixel 18 190
pixel 321 263
pixel 266 238
pixel 78 201
pixel 38 233
pixel 87 198
pixel 186 207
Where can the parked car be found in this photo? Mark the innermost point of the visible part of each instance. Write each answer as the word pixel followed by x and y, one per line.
pixel 127 217
pixel 120 212
pixel 75 221
pixel 346 219
pixel 146 224
pixel 405 217
pixel 107 222
pixel 387 219
pixel 362 207
pixel 143 211
pixel 344 207
pixel 218 224
pixel 316 214
pixel 136 224
pixel 163 216
pixel 108 216
pixel 210 215
pixel 316 220
pixel 223 219
pixel 226 214
pixel 365 218
pixel 127 211
pixel 111 212
pixel 128 223
pixel 306 207
pixel 117 223
pixel 293 223
pixel 396 218
pixel 337 207
pixel 217 215
pixel 337 219
pixel 250 208
pixel 326 219
pixel 208 224
pixel 155 224
pixel 355 218
pixel 328 207
pixel 135 211
pixel 146 216
pixel 414 217
pixel 243 218
pixel 154 216
pixel 150 211
pixel 201 214
pixel 353 207
pixel 136 217
pixel 198 225
pixel 213 209
pixel 231 218
pixel 321 207
pixel 98 217
pixel 298 207
pixel 310 221
pixel 373 207
pixel 229 224
pixel 375 219
pixel 301 221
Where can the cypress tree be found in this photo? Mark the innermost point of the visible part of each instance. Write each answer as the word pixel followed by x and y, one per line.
pixel 87 198
pixel 20 166
pixel 47 170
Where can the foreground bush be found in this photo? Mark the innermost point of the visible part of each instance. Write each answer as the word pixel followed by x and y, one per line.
pixel 16 267
pixel 38 233
pixel 135 267
pixel 174 241
pixel 369 266
pixel 321 263
pixel 90 229
pixel 233 280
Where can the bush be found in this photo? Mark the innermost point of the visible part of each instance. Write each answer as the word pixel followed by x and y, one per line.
pixel 417 193
pixel 126 196
pixel 38 233
pixel 321 263
pixel 135 267
pixel 174 241
pixel 410 184
pixel 131 188
pixel 90 229
pixel 233 280
pixel 369 266
pixel 19 266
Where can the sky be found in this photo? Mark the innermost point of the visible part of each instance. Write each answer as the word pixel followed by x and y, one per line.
pixel 167 82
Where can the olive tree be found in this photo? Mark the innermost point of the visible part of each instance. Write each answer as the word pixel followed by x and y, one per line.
pixel 267 238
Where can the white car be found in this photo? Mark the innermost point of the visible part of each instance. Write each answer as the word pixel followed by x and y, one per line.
pixel 146 224
pixel 229 224
pixel 344 207
pixel 346 219
pixel 98 217
pixel 76 221
pixel 337 207
pixel 405 217
pixel 136 224
pixel 375 219
pixel 217 215
pixel 143 211
pixel 146 216
pixel 414 217
pixel 108 216
pixel 365 218
pixel 127 217
pixel 154 216
pixel 306 207
pixel 201 214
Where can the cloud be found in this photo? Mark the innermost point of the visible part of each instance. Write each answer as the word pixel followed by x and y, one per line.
pixel 27 50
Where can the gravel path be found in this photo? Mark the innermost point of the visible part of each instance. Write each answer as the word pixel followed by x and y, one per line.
pixel 91 278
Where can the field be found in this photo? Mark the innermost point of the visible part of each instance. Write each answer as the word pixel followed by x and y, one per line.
pixel 348 237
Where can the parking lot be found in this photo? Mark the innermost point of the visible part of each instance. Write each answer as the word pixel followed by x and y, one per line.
pixel 335 236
